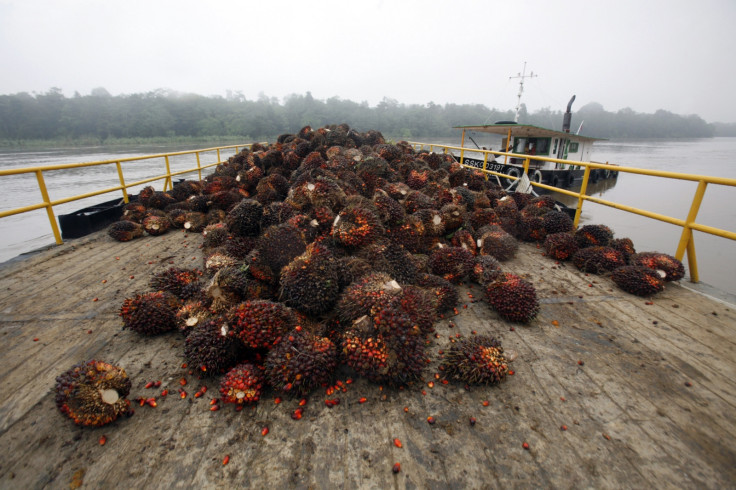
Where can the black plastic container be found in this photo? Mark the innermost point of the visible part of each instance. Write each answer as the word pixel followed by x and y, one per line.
pixel 91 219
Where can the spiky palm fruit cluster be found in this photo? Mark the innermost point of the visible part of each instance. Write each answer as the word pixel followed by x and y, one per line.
pixel 673 268
pixel 389 210
pixel 593 236
pixel 623 245
pixel 598 260
pixel 557 222
pixel 394 359
pixel 194 221
pixel 356 226
pixel 512 297
pixel 453 216
pixel 301 362
pixel 506 207
pixel 409 312
pixel 280 244
pixel 325 192
pixel 417 179
pixel 215 235
pixel 156 225
pixel 150 313
pixel 134 211
pixel 227 287
pixel 310 282
pixel 217 260
pixel 191 314
pixel 432 221
pixel 416 200
pixel 485 269
pixel 159 200
pixel 497 242
pixel 561 246
pixel 350 269
pixel 124 231
pixel 360 296
pixel 451 263
pixel 440 289
pixel 242 384
pixel 531 228
pixel 260 324
pixel 392 259
pixel 245 218
pixel 182 283
pixel 637 279
pixel 211 349
pixel 483 217
pixel 475 360
pixel 93 393
pixel 464 238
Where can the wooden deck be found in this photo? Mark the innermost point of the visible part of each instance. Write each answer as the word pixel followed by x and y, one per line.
pixel 647 392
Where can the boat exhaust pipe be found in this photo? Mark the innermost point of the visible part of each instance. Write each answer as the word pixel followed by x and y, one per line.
pixel 567 118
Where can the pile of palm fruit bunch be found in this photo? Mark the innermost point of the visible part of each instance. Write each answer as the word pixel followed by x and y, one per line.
pixel 330 248
pixel 593 249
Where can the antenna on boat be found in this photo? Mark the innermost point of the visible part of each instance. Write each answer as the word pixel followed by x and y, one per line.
pixel 521 76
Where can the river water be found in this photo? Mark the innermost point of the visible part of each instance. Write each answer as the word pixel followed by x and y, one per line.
pixel 707 156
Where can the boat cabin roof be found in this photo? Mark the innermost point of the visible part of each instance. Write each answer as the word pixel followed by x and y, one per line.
pixel 526 131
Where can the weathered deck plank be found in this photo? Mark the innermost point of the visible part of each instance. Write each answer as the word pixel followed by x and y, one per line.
pixel 631 421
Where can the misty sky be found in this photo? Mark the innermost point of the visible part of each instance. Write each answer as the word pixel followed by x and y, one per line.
pixel 647 55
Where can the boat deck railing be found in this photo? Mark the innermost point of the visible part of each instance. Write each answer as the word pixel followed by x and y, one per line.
pixel 48 204
pixel 688 224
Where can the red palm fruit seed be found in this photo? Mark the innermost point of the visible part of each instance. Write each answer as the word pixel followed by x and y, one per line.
pixel 396 468
pixel 397 443
pixel 264 431
pixel 226 460
pixel 525 446
pixel 431 420
pixel 103 440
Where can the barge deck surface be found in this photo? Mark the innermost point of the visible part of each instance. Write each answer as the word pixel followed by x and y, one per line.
pixel 647 392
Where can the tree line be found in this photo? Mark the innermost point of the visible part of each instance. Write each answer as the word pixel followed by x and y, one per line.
pixel 101 117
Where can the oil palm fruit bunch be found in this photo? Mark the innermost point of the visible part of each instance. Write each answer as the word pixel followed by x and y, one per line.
pixel 156 225
pixel 513 298
pixel 464 238
pixel 475 360
pixel 195 221
pixel 531 228
pixel 623 245
pixel 561 246
pixel 245 218
pixel 300 362
pixel 451 263
pixel 260 324
pixel 442 290
pixel 93 393
pixel 182 283
pixel 211 348
pixel 310 282
pixel 598 260
pixel 150 313
pixel 242 384
pixel 673 268
pixel 495 241
pixel 557 222
pixel 593 236
pixel 280 244
pixel 360 296
pixel 124 231
pixel 356 226
pixel 485 269
pixel 638 279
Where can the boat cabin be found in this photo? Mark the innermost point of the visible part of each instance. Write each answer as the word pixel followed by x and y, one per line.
pixel 539 142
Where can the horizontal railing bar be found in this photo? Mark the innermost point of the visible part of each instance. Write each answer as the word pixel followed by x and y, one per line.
pixel 65 166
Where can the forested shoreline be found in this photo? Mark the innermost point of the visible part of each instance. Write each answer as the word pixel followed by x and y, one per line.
pixel 100 118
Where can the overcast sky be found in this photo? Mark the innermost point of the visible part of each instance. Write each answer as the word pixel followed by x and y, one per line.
pixel 661 54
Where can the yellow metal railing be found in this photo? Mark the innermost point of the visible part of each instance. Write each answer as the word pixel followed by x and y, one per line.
pixel 686 243
pixel 124 186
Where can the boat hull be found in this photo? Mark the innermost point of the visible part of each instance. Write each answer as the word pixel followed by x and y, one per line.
pixel 562 178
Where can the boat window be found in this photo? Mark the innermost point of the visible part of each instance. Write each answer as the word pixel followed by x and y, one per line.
pixel 554 150
pixel 573 147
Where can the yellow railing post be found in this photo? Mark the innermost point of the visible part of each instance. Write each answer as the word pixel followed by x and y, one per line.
pixel 485 165
pixel 583 189
pixel 167 182
pixel 686 239
pixel 199 167
pixel 126 199
pixel 527 161
pixel 218 155
pixel 49 207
